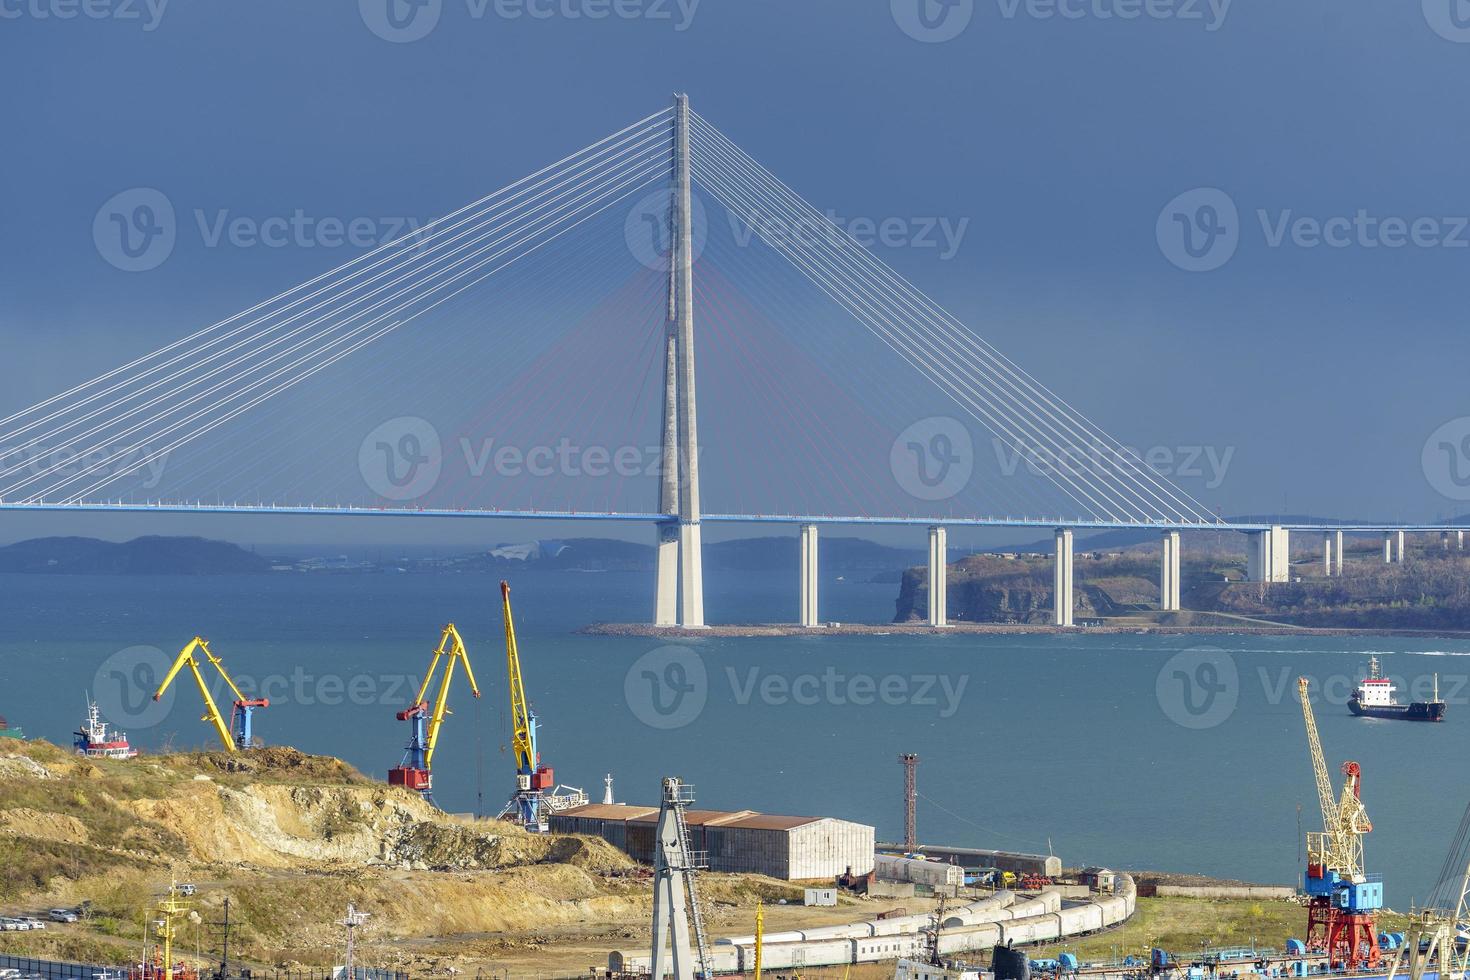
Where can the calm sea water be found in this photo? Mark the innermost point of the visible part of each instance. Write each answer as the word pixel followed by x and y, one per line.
pixel 1132 751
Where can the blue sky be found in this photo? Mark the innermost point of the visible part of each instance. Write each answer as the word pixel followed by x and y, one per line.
pixel 1319 341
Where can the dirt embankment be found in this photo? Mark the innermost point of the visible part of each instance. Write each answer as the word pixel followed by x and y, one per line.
pixel 290 839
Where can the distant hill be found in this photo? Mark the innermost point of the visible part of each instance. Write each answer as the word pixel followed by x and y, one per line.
pixel 744 555
pixel 141 556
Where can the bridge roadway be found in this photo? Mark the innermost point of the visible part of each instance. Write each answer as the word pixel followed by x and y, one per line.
pixel 347 510
pixel 1268 551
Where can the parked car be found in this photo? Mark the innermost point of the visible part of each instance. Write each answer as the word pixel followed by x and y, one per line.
pixel 33 923
pixel 62 915
pixel 185 890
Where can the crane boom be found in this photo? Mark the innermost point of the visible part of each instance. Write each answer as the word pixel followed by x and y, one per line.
pixel 523 725
pixel 240 737
pixel 1325 796
pixel 451 645
pixel 416 770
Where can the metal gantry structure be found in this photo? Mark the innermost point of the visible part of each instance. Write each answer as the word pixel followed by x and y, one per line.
pixel 678 915
pixel 239 733
pixel 910 763
pixel 1342 900
pixel 416 769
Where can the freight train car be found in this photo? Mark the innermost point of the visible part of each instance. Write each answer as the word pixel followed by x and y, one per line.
pixel 1040 919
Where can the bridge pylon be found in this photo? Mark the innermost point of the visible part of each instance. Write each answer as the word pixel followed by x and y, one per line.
pixel 680 571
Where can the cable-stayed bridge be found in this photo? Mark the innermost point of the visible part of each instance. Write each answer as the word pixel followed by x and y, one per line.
pixel 532 356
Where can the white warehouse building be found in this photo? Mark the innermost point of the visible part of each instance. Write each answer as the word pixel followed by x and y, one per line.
pixel 744 842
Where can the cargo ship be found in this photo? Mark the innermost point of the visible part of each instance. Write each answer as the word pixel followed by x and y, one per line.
pixel 95 741
pixel 1373 698
pixel 10 731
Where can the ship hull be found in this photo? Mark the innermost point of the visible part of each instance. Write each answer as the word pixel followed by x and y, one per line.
pixel 1416 711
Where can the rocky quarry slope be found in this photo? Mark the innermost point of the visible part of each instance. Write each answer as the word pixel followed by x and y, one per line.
pixel 290 839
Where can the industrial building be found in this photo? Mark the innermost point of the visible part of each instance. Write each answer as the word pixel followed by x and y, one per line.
pixel 974 857
pixel 790 848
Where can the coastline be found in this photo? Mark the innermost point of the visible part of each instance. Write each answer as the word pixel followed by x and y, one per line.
pixel 996 629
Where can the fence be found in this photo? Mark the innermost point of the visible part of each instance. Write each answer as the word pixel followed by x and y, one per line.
pixel 58 970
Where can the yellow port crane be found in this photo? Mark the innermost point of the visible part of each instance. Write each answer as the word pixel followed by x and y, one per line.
pixel 238 733
pixel 536 794
pixel 1342 899
pixel 1344 820
pixel 416 769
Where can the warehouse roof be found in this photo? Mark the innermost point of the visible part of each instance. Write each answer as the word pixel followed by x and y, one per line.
pixel 609 811
pixel 745 819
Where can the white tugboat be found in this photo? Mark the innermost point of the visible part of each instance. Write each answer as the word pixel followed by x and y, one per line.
pixel 95 741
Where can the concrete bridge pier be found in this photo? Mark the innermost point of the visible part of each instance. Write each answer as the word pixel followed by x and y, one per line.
pixel 809 616
pixel 1062 579
pixel 1169 573
pixel 1268 555
pixel 1460 540
pixel 1393 547
pixel 938 577
pixel 1337 553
